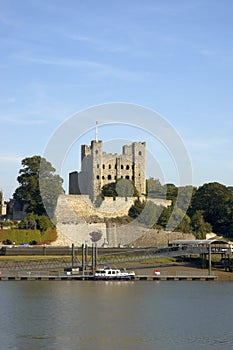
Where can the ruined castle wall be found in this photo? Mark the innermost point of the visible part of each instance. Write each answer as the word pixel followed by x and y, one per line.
pixel 80 233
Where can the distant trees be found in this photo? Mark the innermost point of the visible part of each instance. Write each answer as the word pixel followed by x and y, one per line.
pixel 154 189
pixel 210 209
pixel 39 186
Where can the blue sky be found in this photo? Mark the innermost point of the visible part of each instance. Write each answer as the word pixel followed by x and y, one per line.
pixel 174 57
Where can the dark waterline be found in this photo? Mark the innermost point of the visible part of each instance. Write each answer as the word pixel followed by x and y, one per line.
pixel 116 315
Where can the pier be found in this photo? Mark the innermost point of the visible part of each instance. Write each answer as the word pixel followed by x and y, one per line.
pixel 137 278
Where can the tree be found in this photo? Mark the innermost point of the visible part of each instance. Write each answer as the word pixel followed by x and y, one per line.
pixel 199 227
pixel 171 191
pixel 155 189
pixel 29 222
pixel 36 222
pixel 121 188
pixel 146 213
pixel 150 214
pixel 136 208
pixel 178 220
pixel 215 201
pixel 39 187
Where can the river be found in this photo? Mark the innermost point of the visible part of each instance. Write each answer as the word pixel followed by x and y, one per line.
pixel 71 315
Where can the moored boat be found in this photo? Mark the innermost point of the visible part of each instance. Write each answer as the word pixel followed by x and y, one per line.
pixel 107 273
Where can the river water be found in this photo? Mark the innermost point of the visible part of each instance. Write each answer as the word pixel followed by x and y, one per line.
pixel 72 315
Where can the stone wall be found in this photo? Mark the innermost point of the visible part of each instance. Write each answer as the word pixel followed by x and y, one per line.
pixel 76 207
pixel 77 219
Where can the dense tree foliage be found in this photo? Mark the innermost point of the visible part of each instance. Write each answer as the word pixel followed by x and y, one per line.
pixel 210 209
pixel 215 201
pixel 199 226
pixel 39 186
pixel 121 188
pixel 36 222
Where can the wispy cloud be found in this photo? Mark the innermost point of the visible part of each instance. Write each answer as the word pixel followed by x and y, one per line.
pixel 10 158
pixel 13 120
pixel 101 45
pixel 56 61
pixel 99 70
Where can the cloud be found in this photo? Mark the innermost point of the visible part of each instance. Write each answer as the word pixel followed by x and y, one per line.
pixel 99 70
pixel 66 62
pixel 10 159
pixel 102 45
pixel 17 121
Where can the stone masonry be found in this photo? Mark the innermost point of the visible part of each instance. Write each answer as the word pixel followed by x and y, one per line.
pixel 99 168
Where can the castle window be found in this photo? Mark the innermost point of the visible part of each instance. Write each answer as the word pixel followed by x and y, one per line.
pixel 96 152
pixel 98 166
pixel 139 174
pixel 132 177
pixel 103 166
pixel 102 177
pixel 109 167
pixel 109 177
pixel 97 177
pixel 140 153
pixel 133 166
pixel 127 177
pixel 122 166
pixel 121 177
pixel 115 177
pixel 115 166
pixel 127 167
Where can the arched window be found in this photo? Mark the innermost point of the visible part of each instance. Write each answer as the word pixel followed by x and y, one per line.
pixel 103 166
pixel 97 177
pixel 102 177
pixel 109 177
pixel 127 167
pixel 140 153
pixel 127 177
pixel 109 166
pixel 122 166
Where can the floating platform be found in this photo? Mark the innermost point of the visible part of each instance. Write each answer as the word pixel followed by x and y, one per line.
pixel 91 278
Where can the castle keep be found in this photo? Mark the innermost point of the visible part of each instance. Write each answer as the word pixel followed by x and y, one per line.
pixel 99 168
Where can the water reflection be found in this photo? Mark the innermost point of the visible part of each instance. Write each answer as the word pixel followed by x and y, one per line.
pixel 116 315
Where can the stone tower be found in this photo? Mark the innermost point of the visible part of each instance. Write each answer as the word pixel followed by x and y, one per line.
pixel 2 204
pixel 100 168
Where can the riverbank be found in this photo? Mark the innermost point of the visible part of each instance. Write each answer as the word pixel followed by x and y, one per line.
pixel 178 269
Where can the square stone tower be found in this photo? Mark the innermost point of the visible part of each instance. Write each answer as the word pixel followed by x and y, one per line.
pixel 100 168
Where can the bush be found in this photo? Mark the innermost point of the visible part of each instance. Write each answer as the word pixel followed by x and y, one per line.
pixel 20 236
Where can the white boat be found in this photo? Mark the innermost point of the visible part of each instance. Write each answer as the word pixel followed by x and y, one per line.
pixel 107 273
